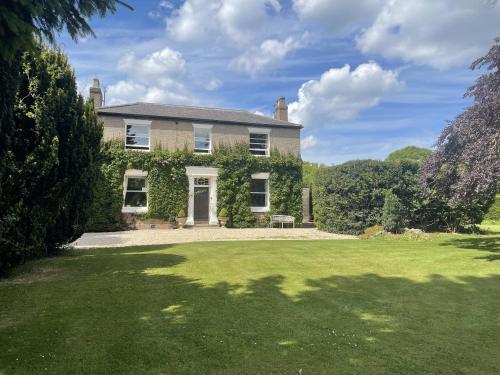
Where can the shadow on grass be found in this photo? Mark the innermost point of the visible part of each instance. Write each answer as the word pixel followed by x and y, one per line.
pixel 486 243
pixel 113 317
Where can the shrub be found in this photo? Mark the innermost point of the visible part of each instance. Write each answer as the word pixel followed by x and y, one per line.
pixel 350 197
pixel 50 167
pixel 372 231
pixel 223 212
pixel 181 213
pixel 493 214
pixel 393 215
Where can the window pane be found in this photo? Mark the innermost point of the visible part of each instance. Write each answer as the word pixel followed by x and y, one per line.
pixel 202 145
pixel 258 186
pixel 136 199
pixel 136 183
pixel 138 130
pixel 202 133
pixel 258 152
pixel 258 146
pixel 257 200
pixel 257 136
pixel 137 141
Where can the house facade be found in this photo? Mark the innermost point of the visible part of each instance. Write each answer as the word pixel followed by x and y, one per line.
pixel 145 127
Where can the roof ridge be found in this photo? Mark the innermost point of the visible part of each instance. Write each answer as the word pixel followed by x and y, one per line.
pixel 201 107
pixel 121 105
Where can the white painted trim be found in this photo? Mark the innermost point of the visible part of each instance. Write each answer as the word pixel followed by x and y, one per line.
pixel 262 131
pixel 129 121
pixel 202 171
pixel 202 126
pixel 212 174
pixel 133 121
pixel 259 130
pixel 261 176
pixel 206 127
pixel 135 173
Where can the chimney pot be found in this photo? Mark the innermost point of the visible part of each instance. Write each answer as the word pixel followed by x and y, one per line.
pixel 96 94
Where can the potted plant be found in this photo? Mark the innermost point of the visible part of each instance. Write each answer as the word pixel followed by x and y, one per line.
pixel 223 217
pixel 181 217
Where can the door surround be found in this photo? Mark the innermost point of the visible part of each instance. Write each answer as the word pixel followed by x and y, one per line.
pixel 212 174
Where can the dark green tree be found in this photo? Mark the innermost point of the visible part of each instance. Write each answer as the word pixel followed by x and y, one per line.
pixel 393 216
pixel 51 163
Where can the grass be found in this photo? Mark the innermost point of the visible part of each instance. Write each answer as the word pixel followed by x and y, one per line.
pixel 262 307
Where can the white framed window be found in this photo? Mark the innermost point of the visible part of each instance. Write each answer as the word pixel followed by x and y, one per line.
pixel 137 134
pixel 259 192
pixel 135 192
pixel 202 139
pixel 259 141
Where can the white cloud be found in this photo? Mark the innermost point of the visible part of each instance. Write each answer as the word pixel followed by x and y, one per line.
pixel 341 94
pixel 439 33
pixel 339 16
pixel 269 53
pixel 239 21
pixel 158 77
pixel 308 142
pixel 213 84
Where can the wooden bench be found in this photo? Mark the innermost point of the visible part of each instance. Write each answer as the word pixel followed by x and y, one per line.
pixel 281 219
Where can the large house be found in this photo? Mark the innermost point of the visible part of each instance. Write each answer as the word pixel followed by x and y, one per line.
pixel 146 126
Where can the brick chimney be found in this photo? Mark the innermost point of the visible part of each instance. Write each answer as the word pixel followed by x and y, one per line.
pixel 281 110
pixel 96 94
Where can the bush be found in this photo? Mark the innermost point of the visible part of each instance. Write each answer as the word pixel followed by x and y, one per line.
pixel 493 214
pixel 350 197
pixel 223 212
pixel 50 166
pixel 181 213
pixel 393 214
pixel 372 231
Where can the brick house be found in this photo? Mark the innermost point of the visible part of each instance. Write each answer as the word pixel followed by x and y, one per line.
pixel 147 126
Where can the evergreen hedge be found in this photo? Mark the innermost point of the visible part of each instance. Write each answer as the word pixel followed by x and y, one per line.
pixel 168 183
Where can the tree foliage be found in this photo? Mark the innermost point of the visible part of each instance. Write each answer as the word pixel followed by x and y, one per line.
pixel 50 165
pixel 350 197
pixel 409 153
pixel 393 216
pixel 464 169
pixel 20 20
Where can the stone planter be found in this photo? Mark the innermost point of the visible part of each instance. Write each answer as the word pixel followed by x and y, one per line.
pixel 181 221
pixel 222 221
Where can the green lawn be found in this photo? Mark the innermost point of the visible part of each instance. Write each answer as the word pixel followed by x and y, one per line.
pixel 263 307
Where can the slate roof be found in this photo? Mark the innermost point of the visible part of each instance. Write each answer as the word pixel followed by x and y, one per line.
pixel 181 112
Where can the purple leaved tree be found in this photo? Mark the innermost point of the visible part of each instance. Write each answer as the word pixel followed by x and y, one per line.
pixel 464 169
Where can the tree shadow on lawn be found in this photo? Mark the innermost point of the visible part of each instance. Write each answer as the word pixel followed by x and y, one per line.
pixel 114 317
pixel 487 243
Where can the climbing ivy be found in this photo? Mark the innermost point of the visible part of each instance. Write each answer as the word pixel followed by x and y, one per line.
pixel 168 183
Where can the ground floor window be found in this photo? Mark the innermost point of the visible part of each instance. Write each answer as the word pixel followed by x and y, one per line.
pixel 259 192
pixel 135 197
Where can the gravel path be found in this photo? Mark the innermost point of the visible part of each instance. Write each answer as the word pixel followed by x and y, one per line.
pixel 169 236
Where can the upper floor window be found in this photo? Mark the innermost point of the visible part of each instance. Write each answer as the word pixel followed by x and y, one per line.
pixel 259 141
pixel 259 192
pixel 135 192
pixel 202 139
pixel 137 134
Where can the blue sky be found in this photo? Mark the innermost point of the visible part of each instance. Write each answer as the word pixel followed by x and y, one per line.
pixel 364 78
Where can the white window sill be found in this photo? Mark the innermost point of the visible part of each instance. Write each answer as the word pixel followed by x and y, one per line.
pixel 138 149
pixel 259 209
pixel 134 210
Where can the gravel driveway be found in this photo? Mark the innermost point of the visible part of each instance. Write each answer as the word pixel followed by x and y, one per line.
pixel 169 236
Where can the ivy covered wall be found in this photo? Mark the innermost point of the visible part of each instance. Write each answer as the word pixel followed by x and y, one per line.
pixel 168 183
